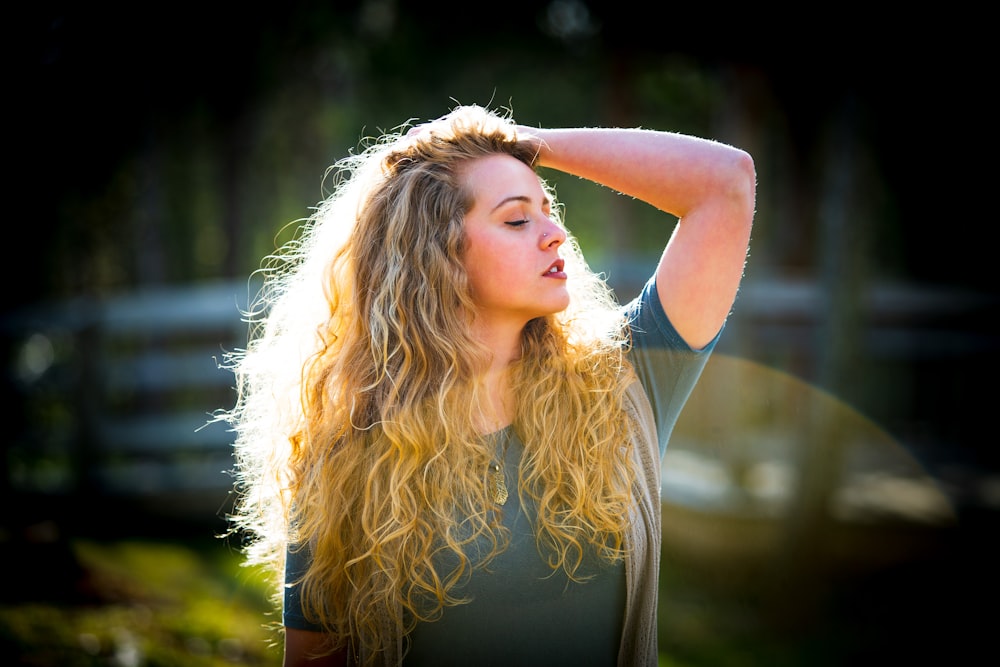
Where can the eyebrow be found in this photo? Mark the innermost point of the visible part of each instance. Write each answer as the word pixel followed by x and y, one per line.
pixel 521 198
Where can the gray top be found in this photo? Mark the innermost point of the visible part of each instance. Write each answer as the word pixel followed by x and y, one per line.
pixel 521 611
pixel 523 604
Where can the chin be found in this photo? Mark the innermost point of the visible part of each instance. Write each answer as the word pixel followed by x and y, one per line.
pixel 556 307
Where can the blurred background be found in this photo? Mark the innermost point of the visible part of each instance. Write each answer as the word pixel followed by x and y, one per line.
pixel 832 489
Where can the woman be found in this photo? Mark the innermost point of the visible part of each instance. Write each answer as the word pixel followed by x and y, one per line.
pixel 449 434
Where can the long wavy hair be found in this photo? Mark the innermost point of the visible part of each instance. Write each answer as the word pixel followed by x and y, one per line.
pixel 358 392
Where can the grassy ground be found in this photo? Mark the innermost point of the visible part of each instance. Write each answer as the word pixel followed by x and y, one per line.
pixel 187 601
pixel 142 602
pixel 133 603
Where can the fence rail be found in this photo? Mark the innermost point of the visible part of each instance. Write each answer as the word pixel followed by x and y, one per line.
pixel 116 394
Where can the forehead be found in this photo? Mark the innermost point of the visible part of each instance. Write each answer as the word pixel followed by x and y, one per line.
pixel 494 178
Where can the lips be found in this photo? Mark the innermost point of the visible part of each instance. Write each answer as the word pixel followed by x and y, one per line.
pixel 555 270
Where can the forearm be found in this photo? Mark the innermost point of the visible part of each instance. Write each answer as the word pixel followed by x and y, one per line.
pixel 709 186
pixel 674 172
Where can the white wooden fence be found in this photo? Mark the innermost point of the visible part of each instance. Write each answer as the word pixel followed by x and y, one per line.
pixel 115 395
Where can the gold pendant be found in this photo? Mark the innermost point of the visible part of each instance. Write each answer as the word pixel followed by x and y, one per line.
pixel 499 485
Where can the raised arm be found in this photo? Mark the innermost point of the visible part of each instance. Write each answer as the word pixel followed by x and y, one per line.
pixel 709 186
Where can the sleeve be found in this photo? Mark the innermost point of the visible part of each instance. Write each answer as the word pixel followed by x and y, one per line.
pixel 296 563
pixel 667 367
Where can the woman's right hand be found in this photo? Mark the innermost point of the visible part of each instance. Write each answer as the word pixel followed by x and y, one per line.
pixel 302 645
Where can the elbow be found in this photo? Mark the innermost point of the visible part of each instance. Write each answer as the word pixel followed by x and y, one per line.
pixel 743 184
pixel 744 174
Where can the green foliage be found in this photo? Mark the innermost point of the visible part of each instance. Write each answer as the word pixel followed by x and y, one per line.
pixel 147 603
pixel 208 195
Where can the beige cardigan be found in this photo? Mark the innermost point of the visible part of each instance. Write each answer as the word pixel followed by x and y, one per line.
pixel 642 568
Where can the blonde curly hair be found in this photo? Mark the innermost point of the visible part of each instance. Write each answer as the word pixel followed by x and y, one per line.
pixel 354 422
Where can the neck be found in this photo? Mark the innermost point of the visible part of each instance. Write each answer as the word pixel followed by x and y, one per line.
pixel 496 401
pixel 497 405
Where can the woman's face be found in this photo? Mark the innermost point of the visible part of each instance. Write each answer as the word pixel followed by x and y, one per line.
pixel 512 245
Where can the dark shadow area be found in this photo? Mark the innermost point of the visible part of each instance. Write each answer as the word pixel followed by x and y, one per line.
pixel 832 495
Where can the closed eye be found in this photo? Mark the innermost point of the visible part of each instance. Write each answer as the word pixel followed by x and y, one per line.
pixel 517 223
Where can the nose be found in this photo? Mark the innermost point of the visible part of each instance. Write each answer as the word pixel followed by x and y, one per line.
pixel 552 235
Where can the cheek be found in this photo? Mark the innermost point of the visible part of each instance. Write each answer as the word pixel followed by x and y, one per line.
pixel 487 272
pixel 491 268
pixel 476 267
